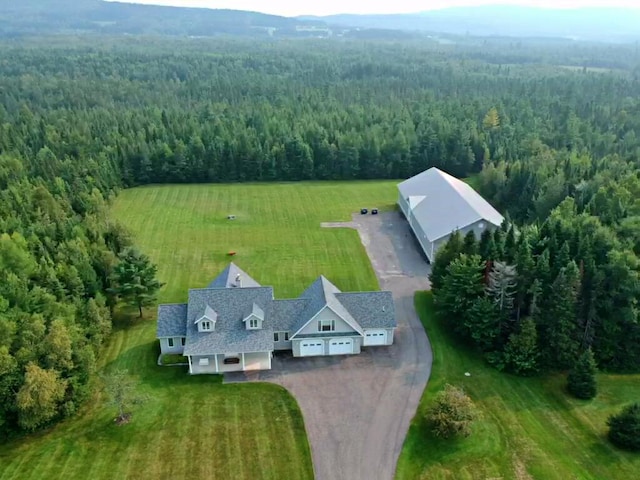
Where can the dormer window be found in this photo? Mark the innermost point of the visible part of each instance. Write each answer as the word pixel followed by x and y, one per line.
pixel 207 322
pixel 254 319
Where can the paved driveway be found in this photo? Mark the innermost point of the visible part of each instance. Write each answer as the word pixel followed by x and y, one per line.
pixel 357 409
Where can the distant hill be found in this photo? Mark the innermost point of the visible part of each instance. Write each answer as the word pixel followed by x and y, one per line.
pixel 38 17
pixel 604 24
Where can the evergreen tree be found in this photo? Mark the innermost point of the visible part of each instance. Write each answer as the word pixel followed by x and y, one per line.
pixel 470 244
pixel 624 428
pixel 581 381
pixel 445 255
pixel 521 352
pixel 558 331
pixel 134 280
pixel 462 286
pixel 487 247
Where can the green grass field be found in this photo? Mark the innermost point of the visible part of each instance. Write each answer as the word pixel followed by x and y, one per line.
pixel 529 427
pixel 195 427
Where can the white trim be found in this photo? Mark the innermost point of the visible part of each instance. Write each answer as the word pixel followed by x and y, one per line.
pixel 243 366
pixel 190 369
pixel 215 356
pixel 357 330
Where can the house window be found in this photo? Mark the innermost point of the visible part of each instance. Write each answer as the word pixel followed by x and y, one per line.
pixel 253 323
pixel 231 361
pixel 326 325
pixel 206 326
pixel 286 336
pixel 276 337
pixel 182 340
pixel 171 342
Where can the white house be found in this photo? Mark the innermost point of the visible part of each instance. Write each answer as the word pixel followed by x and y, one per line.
pixel 437 204
pixel 235 324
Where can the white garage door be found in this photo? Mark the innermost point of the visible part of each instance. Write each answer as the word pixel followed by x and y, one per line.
pixel 341 347
pixel 375 337
pixel 311 348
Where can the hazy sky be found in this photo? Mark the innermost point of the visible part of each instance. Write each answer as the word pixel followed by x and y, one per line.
pixel 327 7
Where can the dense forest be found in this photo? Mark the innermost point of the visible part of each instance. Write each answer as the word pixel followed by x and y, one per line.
pixel 536 122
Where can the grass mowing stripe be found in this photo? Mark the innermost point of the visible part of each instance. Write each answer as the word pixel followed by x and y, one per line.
pixel 187 427
pixel 529 427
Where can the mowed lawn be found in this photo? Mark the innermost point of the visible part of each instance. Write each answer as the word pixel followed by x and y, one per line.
pixel 195 427
pixel 529 427
pixel 276 234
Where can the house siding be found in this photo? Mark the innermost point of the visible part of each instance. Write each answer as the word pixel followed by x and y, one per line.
pixel 281 344
pixel 177 349
pixel 357 344
pixel 404 205
pixel 327 314
pixel 252 361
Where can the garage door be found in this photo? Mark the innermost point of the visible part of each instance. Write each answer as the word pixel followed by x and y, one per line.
pixel 375 337
pixel 341 347
pixel 310 348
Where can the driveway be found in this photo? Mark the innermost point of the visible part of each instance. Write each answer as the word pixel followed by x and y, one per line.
pixel 357 409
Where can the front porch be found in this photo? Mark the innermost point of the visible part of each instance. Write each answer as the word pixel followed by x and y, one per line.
pixel 222 363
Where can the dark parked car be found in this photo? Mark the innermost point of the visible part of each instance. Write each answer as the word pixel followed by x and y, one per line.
pixel 374 211
pixel 364 211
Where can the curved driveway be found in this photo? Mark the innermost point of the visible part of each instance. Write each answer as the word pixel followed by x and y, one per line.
pixel 357 409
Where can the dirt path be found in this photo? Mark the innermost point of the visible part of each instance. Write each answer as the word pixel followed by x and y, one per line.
pixel 357 409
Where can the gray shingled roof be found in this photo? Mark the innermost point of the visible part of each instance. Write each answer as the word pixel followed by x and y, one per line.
pixel 232 305
pixel 285 313
pixel 370 309
pixel 227 278
pixel 321 293
pixel 447 204
pixel 172 320
pixel 230 334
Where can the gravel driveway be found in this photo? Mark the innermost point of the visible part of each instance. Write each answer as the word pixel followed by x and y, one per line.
pixel 357 409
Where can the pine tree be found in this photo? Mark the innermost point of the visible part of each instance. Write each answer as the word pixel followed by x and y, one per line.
pixel 624 428
pixel 559 333
pixel 487 248
pixel 521 352
pixel 581 381
pixel 134 280
pixel 448 253
pixel 470 244
pixel 462 286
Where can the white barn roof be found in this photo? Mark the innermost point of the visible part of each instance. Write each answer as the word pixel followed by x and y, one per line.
pixel 442 203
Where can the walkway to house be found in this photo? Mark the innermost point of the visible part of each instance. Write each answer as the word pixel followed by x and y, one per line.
pixel 357 409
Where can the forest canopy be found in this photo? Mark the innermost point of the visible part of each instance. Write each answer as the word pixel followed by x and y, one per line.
pixel 535 123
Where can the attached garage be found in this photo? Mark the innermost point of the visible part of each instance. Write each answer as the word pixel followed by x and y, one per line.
pixel 309 348
pixel 340 346
pixel 375 337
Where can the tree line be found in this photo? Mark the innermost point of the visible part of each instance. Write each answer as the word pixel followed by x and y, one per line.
pixel 81 119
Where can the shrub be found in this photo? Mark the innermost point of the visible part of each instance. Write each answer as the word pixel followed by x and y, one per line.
pixel 624 428
pixel 452 413
pixel 581 381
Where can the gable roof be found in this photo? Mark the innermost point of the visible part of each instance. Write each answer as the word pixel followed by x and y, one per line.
pixel 321 294
pixel 370 309
pixel 172 320
pixel 448 203
pixel 230 334
pixel 256 311
pixel 227 278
